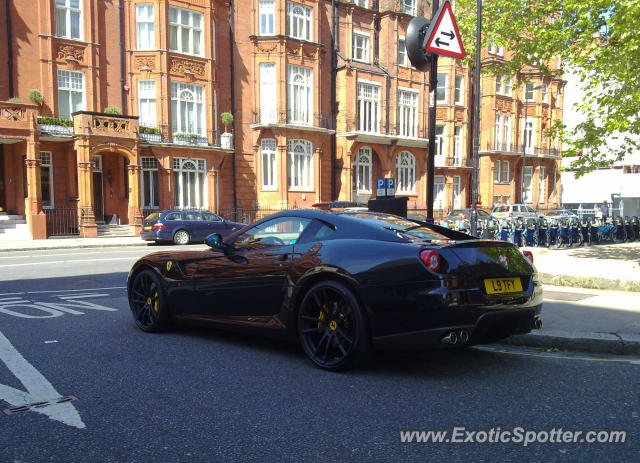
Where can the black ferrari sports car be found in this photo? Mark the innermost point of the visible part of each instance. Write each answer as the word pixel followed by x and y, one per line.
pixel 343 284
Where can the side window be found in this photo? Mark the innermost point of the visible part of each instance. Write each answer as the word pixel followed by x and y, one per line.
pixel 192 216
pixel 173 216
pixel 275 232
pixel 209 217
pixel 530 209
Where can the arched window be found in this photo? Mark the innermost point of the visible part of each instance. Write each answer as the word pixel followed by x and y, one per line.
pixel 189 176
pixel 362 171
pixel 187 109
pixel 269 164
pixel 406 173
pixel 300 165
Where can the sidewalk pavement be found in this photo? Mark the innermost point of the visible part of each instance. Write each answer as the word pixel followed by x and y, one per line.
pixel 589 320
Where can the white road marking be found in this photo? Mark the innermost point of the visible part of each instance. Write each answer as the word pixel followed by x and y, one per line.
pixel 73 290
pixel 38 389
pixel 68 303
pixel 49 262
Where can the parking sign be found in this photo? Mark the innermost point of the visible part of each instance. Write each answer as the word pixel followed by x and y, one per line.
pixel 390 186
pixel 380 191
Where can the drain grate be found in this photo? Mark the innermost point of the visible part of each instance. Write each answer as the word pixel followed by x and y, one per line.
pixel 46 403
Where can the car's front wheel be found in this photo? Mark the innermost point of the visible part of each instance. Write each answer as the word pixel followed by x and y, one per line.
pixel 147 302
pixel 332 327
pixel 181 237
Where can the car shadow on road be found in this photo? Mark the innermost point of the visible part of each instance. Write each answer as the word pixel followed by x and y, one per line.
pixel 608 252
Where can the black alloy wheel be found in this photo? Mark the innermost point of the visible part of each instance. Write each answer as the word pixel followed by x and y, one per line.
pixel 147 302
pixel 332 327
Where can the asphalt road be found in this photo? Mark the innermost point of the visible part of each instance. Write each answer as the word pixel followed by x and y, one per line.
pixel 199 395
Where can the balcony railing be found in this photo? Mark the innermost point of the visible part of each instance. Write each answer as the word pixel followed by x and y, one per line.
pixel 192 137
pixel 150 133
pixel 452 161
pixel 292 117
pixel 55 126
pixel 530 151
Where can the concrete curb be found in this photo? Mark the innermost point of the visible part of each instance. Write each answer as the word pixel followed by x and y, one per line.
pixel 78 246
pixel 589 282
pixel 602 343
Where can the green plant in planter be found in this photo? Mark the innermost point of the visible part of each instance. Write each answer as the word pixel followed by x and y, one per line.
pixel 45 120
pixel 112 110
pixel 15 99
pixel 148 130
pixel 36 96
pixel 227 120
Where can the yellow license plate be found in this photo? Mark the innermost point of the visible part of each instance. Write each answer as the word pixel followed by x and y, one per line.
pixel 502 285
pixel 148 227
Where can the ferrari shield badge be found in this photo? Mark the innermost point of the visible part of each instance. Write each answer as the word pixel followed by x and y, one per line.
pixel 504 260
pixel 169 264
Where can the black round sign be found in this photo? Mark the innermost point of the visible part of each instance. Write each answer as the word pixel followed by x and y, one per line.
pixel 416 43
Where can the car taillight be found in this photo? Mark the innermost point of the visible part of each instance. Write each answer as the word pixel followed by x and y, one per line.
pixel 159 226
pixel 431 259
pixel 528 255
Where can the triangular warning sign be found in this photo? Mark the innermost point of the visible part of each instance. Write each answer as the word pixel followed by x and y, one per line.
pixel 443 37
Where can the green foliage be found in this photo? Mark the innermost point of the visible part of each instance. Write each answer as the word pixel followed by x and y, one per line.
pixel 596 40
pixel 112 110
pixel 149 130
pixel 36 96
pixel 15 99
pixel 226 119
pixel 55 121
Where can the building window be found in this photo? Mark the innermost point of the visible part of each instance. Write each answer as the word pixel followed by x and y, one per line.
pixel 69 19
pixel 529 92
pixel 441 90
pixel 543 182
pixel 46 179
pixel 459 92
pixel 368 107
pixel 70 93
pixel 457 197
pixel 545 93
pixel 495 50
pixel 267 12
pixel 149 182
pixel 402 52
pixel 408 113
pixel 528 137
pixel 147 103
pixel 441 140
pixel 406 173
pixel 269 164
pixel 499 85
pixel 362 170
pixel 185 31
pixel 457 145
pixel 145 35
pixel 299 21
pixel 508 86
pixel 268 92
pixel 438 192
pixel 360 47
pixel 501 172
pixel 300 165
pixel 189 176
pixel 409 7
pixel 526 180
pixel 187 109
pixel 498 129
pixel 300 96
pixel 507 133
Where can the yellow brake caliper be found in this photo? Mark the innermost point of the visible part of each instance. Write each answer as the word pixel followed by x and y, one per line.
pixel 155 302
pixel 321 317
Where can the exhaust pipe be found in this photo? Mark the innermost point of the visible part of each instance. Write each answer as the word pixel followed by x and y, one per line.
pixel 463 336
pixel 537 324
pixel 451 338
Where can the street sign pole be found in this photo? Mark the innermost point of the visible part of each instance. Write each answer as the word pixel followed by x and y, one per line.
pixel 433 84
pixel 476 120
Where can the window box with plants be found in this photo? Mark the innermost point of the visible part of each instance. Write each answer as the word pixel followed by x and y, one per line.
pixel 55 125
pixel 150 134
pixel 226 139
pixel 180 138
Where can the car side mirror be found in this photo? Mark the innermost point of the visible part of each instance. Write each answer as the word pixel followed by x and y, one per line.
pixel 214 241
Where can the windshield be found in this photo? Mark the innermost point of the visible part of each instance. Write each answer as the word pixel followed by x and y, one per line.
pixel 401 226
pixel 153 216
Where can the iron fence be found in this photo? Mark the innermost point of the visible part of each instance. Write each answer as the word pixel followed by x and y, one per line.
pixel 62 221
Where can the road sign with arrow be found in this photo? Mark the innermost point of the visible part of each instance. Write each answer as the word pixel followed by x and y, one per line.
pixel 443 37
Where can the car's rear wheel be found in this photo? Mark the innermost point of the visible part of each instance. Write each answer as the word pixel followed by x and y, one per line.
pixel 181 237
pixel 332 327
pixel 147 302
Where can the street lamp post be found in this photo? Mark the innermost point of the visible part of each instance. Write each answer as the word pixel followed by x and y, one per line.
pixel 524 137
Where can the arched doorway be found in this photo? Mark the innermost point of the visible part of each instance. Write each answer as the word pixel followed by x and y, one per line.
pixel 111 188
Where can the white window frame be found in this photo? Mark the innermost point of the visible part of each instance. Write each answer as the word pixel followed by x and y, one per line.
pixel 267 17
pixel 499 84
pixel 363 168
pixel 495 50
pixel 508 86
pixel 439 198
pixel 72 77
pixel 299 95
pixel 459 89
pixel 299 21
pixel 360 46
pixel 505 176
pixel 183 175
pixel 441 88
pixel 408 112
pixel 147 103
pixel 150 165
pixel 405 173
pixel 145 26
pixel 409 7
pixel 46 164
pixel 268 93
pixel 178 27
pixel 181 92
pixel 300 165
pixel 496 171
pixel 497 136
pixel 529 134
pixel 403 60
pixel 457 192
pixel 542 185
pixel 441 140
pixel 64 6
pixel 507 132
pixel 368 106
pixel 458 147
pixel 545 93
pixel 269 164
pixel 529 92
pixel 527 186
